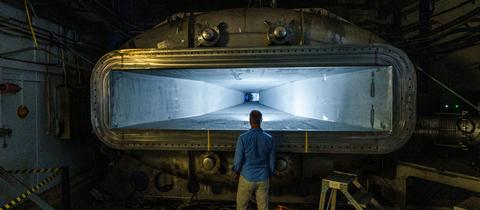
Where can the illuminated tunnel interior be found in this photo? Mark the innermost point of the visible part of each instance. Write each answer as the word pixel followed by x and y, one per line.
pixel 291 98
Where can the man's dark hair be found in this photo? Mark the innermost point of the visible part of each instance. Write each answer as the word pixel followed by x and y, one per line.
pixel 256 117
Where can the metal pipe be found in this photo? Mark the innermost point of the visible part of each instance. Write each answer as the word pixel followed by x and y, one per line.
pixel 65 188
pixel 40 63
pixel 4 21
pixel 43 33
pixel 1 116
pixel 467 43
pixel 441 30
pixel 449 89
pixel 448 130
pixel 411 27
pixel 48 32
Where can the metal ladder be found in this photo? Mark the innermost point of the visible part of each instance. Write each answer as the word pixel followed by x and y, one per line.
pixel 340 181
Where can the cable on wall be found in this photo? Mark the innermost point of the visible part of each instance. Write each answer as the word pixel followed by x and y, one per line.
pixel 449 89
pixel 27 12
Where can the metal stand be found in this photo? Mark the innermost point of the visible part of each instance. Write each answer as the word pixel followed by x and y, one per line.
pixel 341 181
pixel 472 203
pixel 406 170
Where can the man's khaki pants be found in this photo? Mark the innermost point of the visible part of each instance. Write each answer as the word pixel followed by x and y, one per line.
pixel 245 190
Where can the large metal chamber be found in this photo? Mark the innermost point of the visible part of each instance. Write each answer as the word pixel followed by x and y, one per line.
pixel 324 84
pixel 178 96
pixel 334 98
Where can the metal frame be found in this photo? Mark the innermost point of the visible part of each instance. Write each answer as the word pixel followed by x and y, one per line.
pixel 18 186
pixel 406 170
pixel 342 182
pixel 404 96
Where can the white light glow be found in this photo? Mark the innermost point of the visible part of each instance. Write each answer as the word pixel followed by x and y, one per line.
pixel 256 97
pixel 274 117
pixel 289 99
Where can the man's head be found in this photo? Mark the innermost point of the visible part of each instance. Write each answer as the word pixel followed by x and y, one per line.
pixel 255 118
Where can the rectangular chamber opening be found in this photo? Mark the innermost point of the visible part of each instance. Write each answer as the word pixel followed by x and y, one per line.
pixel 356 98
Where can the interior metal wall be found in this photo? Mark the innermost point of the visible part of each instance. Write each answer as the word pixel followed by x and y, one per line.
pixel 30 146
pixel 138 98
pixel 346 98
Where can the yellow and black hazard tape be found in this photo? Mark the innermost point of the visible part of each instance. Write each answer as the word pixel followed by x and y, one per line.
pixel 24 195
pixel 34 171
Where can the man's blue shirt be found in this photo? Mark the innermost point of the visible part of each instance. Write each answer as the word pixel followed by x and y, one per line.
pixel 255 155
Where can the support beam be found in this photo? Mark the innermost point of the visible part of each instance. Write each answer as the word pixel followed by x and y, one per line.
pixel 19 187
pixel 406 170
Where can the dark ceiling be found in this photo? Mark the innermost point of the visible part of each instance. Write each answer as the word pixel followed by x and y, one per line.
pixel 115 21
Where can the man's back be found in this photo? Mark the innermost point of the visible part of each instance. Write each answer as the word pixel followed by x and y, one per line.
pixel 255 155
pixel 255 161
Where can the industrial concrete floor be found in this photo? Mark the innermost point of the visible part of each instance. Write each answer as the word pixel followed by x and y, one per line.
pixel 236 118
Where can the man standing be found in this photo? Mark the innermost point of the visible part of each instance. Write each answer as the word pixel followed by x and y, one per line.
pixel 254 163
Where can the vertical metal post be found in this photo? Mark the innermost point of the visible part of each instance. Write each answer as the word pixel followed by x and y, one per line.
pixel 65 188
pixel 350 198
pixel 323 195
pixel 333 204
pixel 400 193
pixel 424 10
pixel 396 18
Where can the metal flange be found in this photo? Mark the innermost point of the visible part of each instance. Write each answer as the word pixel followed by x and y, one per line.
pixel 281 33
pixel 207 35
pixel 210 163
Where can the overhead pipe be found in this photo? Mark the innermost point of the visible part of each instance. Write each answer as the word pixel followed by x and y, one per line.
pixel 44 34
pixel 413 26
pixel 48 32
pixel 441 30
pixel 453 130
pixel 72 66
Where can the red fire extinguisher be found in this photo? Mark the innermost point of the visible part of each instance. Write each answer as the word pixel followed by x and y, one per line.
pixel 9 88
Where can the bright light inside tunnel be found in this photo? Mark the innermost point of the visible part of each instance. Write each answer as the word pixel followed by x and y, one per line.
pixel 290 98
